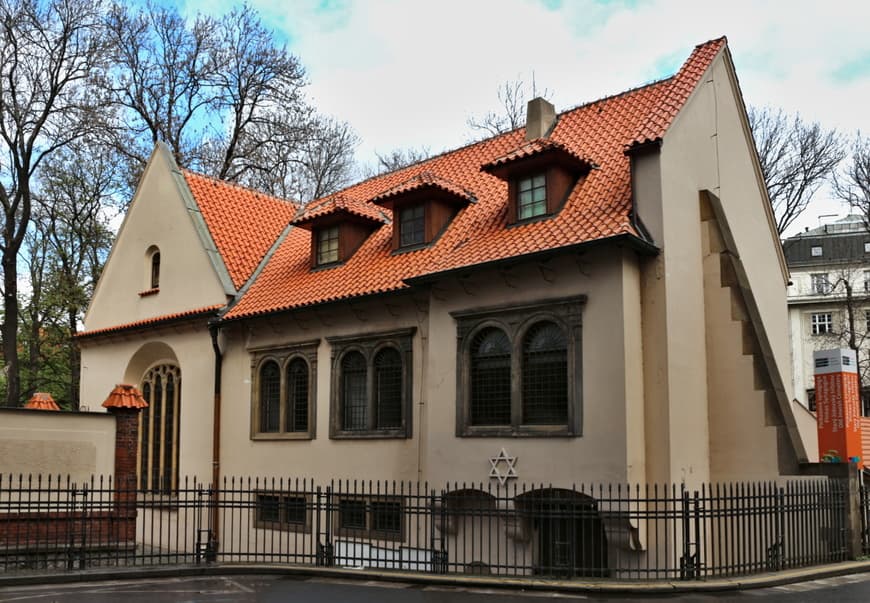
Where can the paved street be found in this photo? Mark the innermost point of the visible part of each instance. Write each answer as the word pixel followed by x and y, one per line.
pixel 273 589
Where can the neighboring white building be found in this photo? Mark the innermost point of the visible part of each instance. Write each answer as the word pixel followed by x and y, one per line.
pixel 830 274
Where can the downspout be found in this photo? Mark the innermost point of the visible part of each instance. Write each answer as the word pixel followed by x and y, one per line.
pixel 214 524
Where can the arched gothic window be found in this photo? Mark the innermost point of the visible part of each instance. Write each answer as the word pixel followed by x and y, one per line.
pixel 159 429
pixel 545 375
pixel 491 378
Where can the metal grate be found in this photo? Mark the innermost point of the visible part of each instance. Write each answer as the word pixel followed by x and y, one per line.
pixel 491 378
pixel 297 395
pixel 270 396
pixel 388 388
pixel 353 392
pixel 545 375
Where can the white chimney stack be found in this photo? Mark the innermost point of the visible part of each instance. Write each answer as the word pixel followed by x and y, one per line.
pixel 540 117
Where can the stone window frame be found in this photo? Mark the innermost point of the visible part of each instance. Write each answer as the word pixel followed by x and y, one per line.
pixel 283 356
pixel 282 523
pixel 515 320
pixel 369 532
pixel 821 323
pixel 369 345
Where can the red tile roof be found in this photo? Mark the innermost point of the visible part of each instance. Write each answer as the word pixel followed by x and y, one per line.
pixel 338 204
pixel 41 401
pixel 125 396
pixel 242 223
pixel 421 181
pixel 597 208
pixel 532 148
pixel 681 86
pixel 153 322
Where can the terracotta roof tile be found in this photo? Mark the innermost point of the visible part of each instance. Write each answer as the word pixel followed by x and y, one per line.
pixel 421 181
pixel 597 208
pixel 42 401
pixel 531 149
pixel 682 85
pixel 243 223
pixel 338 204
pixel 125 396
pixel 152 322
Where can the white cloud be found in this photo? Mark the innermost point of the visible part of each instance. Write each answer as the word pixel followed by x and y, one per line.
pixel 409 74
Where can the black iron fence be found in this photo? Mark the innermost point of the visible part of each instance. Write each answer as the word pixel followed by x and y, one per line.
pixel 624 532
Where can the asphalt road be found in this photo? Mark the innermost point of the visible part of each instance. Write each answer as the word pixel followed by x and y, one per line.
pixel 273 589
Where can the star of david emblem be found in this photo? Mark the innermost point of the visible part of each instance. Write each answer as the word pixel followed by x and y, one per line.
pixel 503 467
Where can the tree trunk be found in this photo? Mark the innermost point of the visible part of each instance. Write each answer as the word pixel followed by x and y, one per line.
pixel 74 359
pixel 9 330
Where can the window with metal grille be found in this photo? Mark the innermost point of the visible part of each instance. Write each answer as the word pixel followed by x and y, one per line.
pixel 519 370
pixel 545 375
pixel 297 396
pixel 274 510
pixel 371 385
pixel 354 402
pixel 532 196
pixel 491 378
pixel 283 392
pixel 327 245
pixel 352 514
pixel 412 222
pixel 159 429
pixel 821 323
pixel 386 517
pixel 270 397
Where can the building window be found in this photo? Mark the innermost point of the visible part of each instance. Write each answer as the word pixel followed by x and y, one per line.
pixel 519 370
pixel 867 247
pixel 158 429
pixel 283 393
pixel 371 385
pixel 282 511
pixel 822 323
pixel 811 399
pixel 532 196
pixel 327 245
pixel 155 270
pixel 867 321
pixel 374 517
pixel 816 251
pixel 412 225
pixel 820 283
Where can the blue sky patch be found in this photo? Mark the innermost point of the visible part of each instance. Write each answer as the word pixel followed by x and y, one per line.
pixel 853 69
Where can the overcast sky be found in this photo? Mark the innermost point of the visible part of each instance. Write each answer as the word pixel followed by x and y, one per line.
pixel 410 73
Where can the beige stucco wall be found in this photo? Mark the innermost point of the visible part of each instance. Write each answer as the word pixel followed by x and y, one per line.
pixel 78 445
pixel 107 362
pixel 607 276
pixel 708 147
pixel 157 216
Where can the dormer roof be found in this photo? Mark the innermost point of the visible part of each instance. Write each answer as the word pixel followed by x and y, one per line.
pixel 540 147
pixel 338 206
pixel 422 182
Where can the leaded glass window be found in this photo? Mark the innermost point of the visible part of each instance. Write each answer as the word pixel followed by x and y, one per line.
pixel 353 392
pixel 159 428
pixel 296 415
pixel 388 388
pixel 545 375
pixel 491 378
pixel 270 397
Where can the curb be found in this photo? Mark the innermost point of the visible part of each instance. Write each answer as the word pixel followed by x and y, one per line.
pixel 566 586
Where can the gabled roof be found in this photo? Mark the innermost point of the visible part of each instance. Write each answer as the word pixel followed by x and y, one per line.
pixel 425 180
pixel 338 204
pixel 599 208
pixel 243 223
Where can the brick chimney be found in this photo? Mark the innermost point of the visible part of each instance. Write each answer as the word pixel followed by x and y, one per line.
pixel 540 117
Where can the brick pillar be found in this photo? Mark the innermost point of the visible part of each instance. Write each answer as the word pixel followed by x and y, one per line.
pixel 125 402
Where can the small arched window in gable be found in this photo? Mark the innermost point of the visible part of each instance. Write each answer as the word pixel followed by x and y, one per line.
pixel 152 271
pixel 155 269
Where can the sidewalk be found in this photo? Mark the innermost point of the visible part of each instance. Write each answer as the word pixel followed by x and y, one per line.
pixel 609 587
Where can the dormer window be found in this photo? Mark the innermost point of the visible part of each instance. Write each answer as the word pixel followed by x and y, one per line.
pixel 327 245
pixel 339 225
pixel 412 222
pixel 532 196
pixel 540 174
pixel 423 207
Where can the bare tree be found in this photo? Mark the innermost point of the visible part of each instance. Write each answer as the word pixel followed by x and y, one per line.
pixel 852 183
pixel 49 54
pixel 796 158
pixel 511 114
pixel 397 159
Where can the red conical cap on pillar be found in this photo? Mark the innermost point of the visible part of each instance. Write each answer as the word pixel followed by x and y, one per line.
pixel 125 396
pixel 42 401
